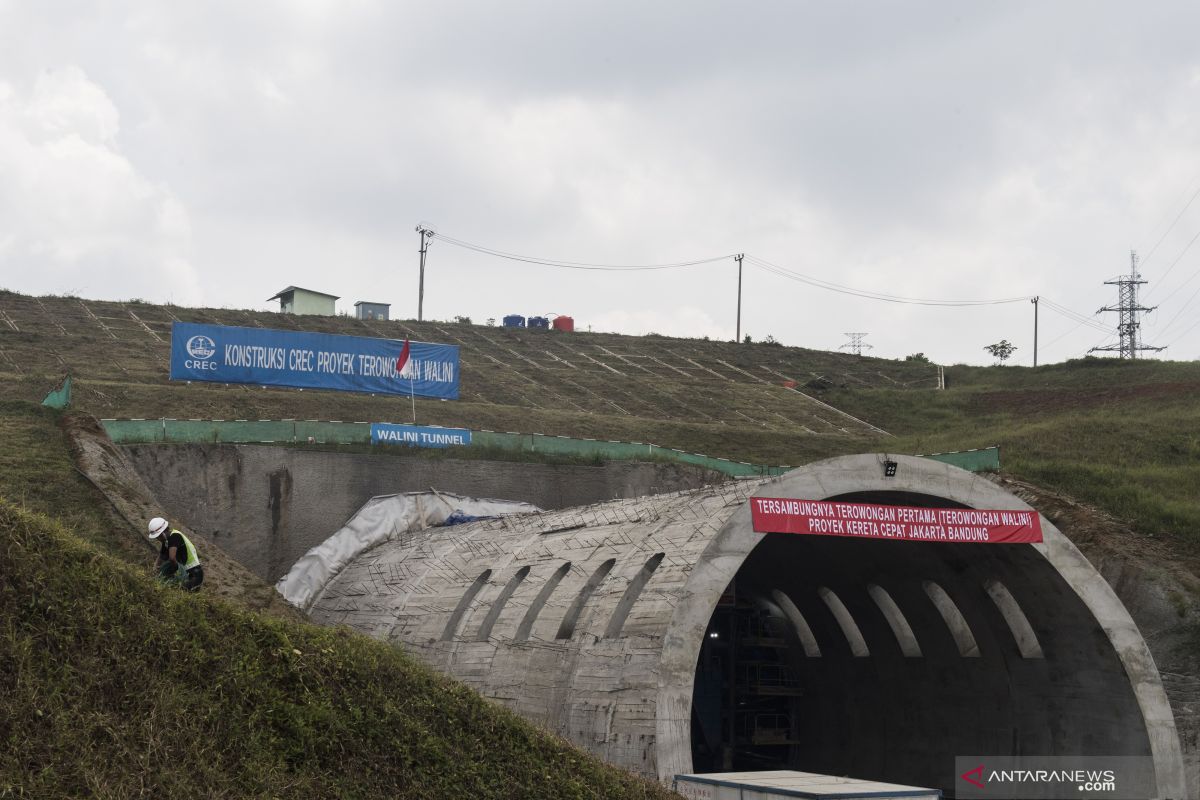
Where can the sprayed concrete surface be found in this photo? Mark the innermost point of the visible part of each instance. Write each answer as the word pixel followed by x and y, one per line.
pixel 667 636
pixel 267 506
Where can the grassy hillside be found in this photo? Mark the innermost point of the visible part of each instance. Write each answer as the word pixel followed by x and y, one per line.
pixel 114 687
pixel 101 671
pixel 1121 435
pixel 674 392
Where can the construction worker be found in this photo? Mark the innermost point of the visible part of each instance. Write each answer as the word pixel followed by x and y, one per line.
pixel 177 559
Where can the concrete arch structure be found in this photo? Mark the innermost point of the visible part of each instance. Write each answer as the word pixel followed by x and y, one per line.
pixel 644 699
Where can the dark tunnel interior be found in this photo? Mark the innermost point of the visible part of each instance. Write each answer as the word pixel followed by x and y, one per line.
pixel 886 659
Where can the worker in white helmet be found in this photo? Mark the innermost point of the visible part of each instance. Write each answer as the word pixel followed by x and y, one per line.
pixel 177 559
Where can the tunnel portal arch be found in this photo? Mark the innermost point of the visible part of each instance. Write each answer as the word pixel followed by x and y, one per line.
pixel 902 709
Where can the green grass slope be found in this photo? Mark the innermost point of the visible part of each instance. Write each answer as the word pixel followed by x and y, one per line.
pixel 1122 435
pixel 682 393
pixel 114 687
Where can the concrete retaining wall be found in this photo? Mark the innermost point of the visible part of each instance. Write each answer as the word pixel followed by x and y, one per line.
pixel 266 506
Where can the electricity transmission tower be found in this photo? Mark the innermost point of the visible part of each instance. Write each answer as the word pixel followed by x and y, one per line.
pixel 856 343
pixel 1128 309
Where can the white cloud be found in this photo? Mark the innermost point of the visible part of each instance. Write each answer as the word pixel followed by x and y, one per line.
pixel 77 215
pixel 963 151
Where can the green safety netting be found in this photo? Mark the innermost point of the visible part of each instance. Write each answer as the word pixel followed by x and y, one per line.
pixel 129 431
pixel 60 396
pixel 985 459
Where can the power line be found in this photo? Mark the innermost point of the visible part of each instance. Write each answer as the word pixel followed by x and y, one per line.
pixel 790 274
pixel 1080 320
pixel 1176 261
pixel 1186 331
pixel 1171 227
pixel 1059 338
pixel 784 272
pixel 551 262
pixel 1077 317
pixel 763 264
pixel 1182 308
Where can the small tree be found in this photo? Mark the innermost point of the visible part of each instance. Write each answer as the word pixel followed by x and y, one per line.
pixel 917 357
pixel 1001 350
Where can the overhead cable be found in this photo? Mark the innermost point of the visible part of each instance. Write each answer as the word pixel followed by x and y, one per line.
pixel 551 262
pixel 1173 263
pixel 1082 319
pixel 1185 332
pixel 1182 308
pixel 784 272
pixel 1171 227
pixel 775 269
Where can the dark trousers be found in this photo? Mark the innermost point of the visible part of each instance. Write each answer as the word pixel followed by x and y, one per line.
pixel 195 577
pixel 189 581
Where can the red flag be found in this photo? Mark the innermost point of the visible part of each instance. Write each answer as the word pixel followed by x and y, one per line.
pixel 403 359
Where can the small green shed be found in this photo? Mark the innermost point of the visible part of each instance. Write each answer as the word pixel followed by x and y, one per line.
pixel 295 300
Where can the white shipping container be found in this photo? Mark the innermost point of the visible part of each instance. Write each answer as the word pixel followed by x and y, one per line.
pixel 780 784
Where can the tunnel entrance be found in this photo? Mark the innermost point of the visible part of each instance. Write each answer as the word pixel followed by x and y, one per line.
pixel 886 659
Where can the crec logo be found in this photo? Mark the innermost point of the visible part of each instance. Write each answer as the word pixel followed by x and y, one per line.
pixel 201 347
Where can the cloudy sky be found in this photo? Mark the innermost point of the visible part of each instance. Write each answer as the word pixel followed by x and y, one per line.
pixel 214 153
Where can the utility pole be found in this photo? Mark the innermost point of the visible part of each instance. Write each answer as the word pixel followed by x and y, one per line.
pixel 856 343
pixel 738 258
pixel 1035 315
pixel 426 235
pixel 1128 308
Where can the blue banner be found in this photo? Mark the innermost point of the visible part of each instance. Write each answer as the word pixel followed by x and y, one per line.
pixel 225 354
pixel 418 436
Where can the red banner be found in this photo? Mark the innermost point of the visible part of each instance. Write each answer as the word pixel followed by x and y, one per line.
pixel 867 521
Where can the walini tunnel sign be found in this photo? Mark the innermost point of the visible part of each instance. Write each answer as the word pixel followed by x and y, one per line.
pixel 908 523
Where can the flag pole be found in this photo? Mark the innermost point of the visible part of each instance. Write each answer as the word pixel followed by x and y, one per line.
pixel 402 363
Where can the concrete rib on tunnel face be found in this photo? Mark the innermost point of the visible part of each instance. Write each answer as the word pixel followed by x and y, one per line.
pixel 955 622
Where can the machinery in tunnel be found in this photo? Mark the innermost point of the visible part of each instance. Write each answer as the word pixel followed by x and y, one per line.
pixel 667 636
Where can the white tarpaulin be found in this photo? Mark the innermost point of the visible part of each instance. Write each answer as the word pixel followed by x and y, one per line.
pixel 380 519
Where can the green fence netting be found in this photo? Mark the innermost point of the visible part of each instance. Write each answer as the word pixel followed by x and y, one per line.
pixel 130 431
pixel 60 396
pixel 986 459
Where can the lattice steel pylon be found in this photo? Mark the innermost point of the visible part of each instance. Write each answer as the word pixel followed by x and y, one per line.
pixel 1128 309
pixel 856 343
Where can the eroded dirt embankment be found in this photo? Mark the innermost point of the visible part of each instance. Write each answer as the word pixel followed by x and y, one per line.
pixel 111 472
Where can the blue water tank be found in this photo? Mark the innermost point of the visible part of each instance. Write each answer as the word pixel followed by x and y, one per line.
pixel 514 321
pixel 539 322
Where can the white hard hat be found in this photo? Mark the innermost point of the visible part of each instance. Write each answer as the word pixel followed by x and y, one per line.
pixel 158 526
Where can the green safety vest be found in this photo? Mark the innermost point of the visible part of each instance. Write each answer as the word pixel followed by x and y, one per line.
pixel 193 560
